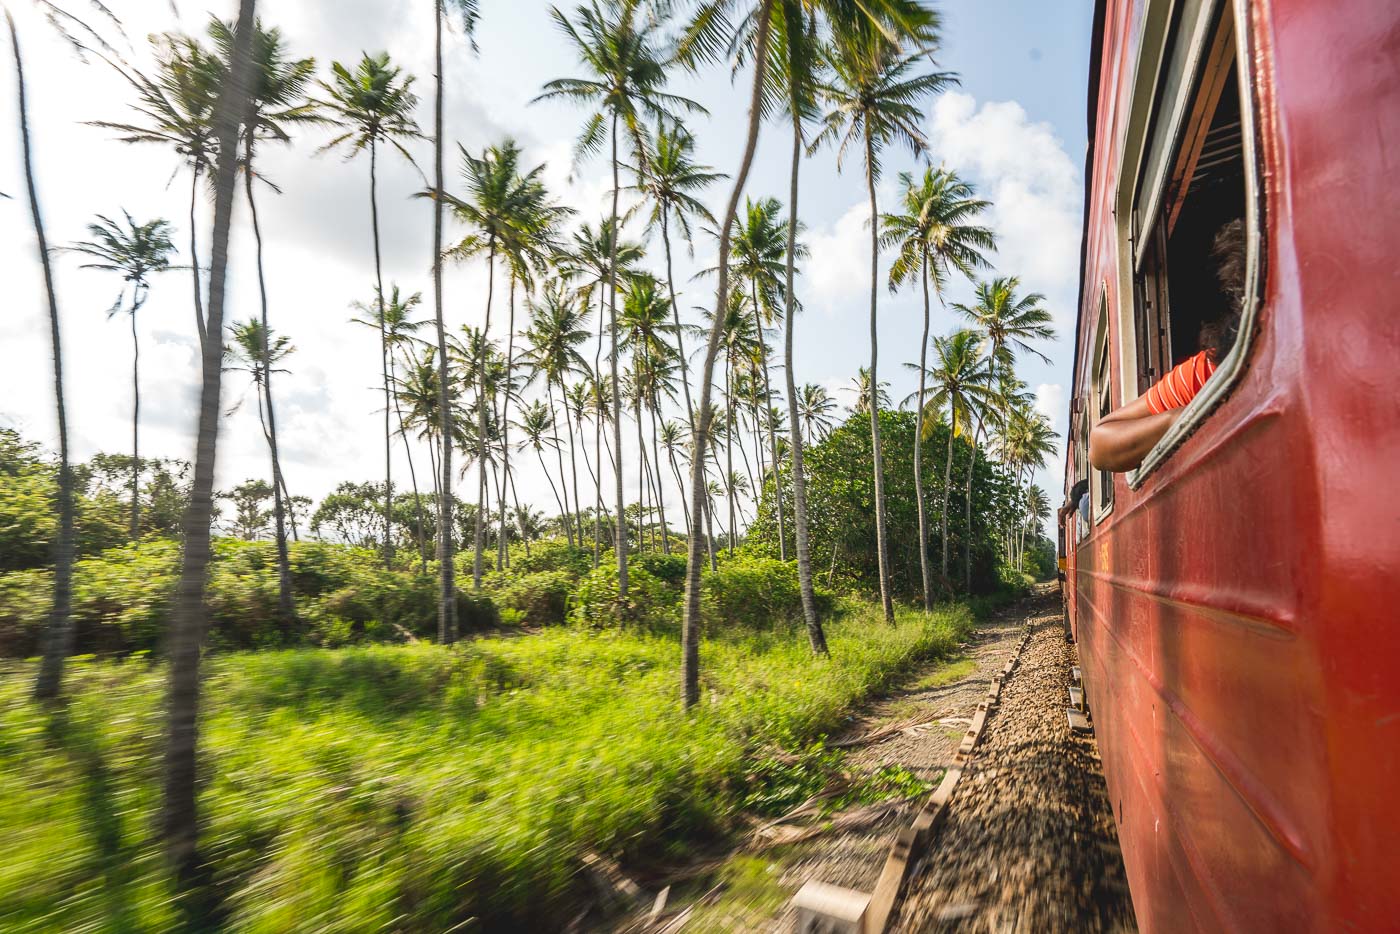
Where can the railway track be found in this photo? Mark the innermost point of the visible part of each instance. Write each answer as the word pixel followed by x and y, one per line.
pixel 1027 841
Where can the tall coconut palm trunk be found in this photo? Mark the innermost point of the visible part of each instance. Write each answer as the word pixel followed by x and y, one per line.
pixel 502 554
pixel 947 497
pixel 479 531
pixel 566 515
pixel 194 257
pixel 660 492
pixel 729 449
pixel 680 485
pixel 383 356
pixel 136 302
pixel 58 638
pixel 676 316
pixel 447 592
pixel 881 534
pixel 421 531
pixel 573 464
pixel 179 812
pixel 285 609
pixel 967 510
pixel 815 636
pixel 598 436
pixel 690 626
pixel 620 546
pixel 772 430
pixel 926 574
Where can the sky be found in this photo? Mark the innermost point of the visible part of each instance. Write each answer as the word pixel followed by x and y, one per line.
pixel 1014 126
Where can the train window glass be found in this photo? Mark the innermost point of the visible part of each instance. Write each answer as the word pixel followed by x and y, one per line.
pixel 1192 186
pixel 1102 403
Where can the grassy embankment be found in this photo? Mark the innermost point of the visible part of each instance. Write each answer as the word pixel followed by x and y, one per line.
pixel 411 787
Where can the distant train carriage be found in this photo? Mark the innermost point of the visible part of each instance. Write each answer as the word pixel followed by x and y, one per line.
pixel 1236 598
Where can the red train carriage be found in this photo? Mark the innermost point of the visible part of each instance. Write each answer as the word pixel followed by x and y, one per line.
pixel 1236 598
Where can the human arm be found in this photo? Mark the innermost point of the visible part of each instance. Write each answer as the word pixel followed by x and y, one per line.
pixel 1122 438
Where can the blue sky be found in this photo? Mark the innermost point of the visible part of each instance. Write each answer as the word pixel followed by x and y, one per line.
pixel 1015 126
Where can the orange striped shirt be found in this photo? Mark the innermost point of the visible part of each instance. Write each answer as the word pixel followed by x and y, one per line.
pixel 1180 385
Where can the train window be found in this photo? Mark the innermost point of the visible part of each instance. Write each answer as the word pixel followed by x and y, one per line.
pixel 1191 216
pixel 1198 190
pixel 1101 402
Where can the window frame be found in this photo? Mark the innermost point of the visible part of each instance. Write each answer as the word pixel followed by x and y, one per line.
pixel 1100 403
pixel 1138 154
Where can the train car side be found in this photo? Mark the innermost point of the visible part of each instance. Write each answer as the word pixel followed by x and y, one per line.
pixel 1236 601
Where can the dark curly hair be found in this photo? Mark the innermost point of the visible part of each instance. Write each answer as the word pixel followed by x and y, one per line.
pixel 1228 251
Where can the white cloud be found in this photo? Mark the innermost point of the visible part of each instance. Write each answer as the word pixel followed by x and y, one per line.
pixel 1034 187
pixel 1050 402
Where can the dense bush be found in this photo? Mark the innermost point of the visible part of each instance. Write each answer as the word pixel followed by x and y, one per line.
pixel 752 592
pixel 841 507
pixel 122 599
pixel 551 555
pixel 598 602
pixel 669 569
pixel 541 598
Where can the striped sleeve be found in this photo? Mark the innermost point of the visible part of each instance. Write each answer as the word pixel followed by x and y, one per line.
pixel 1180 385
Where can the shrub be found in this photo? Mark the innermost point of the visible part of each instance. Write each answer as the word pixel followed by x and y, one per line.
pixel 552 556
pixel 476 612
pixel 752 592
pixel 122 599
pixel 597 602
pixel 541 598
pixel 669 569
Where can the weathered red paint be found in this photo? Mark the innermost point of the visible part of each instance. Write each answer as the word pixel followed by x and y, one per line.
pixel 1239 614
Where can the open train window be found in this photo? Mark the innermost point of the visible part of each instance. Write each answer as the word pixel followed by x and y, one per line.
pixel 1101 403
pixel 1194 180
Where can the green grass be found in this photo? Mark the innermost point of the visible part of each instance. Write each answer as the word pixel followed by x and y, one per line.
pixel 413 788
pixel 956 670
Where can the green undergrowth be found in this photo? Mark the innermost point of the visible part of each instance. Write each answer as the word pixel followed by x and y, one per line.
pixel 414 787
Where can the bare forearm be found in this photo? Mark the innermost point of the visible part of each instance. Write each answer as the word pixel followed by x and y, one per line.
pixel 1120 444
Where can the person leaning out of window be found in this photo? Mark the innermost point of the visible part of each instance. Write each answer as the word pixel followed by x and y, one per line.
pixel 1123 437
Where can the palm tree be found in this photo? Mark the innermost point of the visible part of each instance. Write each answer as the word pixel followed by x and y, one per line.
pixel 617 46
pixel 860 385
pixel 393 319
pixel 598 259
pixel 1037 511
pixel 933 236
pixel 278 103
pixel 253 351
pixel 666 179
pixel 814 408
pixel 535 424
pixel 963 383
pixel 179 810
pixel 796 62
pixel 136 252
pixel 1008 324
pixel 447 588
pixel 1028 440
pixel 737 335
pixel 874 98
pixel 558 327
pixel 769 33
pixel 760 248
pixel 178 108
pixel 374 105
pixel 58 638
pixel 647 332
pixel 501 206
pixel 531 251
